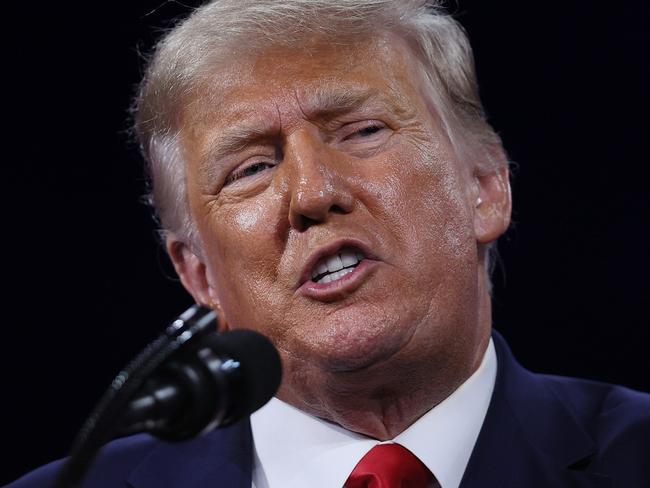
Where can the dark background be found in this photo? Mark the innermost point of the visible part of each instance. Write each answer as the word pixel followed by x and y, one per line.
pixel 87 286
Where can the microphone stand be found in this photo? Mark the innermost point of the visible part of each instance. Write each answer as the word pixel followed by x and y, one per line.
pixel 195 325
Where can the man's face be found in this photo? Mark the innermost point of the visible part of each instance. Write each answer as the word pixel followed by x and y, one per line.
pixel 304 161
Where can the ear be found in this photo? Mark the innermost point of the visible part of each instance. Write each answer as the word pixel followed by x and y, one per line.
pixel 192 272
pixel 493 205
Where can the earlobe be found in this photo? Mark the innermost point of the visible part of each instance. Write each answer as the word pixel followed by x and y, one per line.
pixel 191 270
pixel 193 274
pixel 223 325
pixel 493 205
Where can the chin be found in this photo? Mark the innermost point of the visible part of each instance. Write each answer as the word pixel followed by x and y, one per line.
pixel 354 337
pixel 356 348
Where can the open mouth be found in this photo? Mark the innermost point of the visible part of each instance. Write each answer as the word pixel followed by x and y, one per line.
pixel 336 266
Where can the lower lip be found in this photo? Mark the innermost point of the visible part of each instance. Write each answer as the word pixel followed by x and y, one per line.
pixel 340 288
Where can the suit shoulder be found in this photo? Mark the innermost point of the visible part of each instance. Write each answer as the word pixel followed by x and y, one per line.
pixel 601 401
pixel 111 466
pixel 616 417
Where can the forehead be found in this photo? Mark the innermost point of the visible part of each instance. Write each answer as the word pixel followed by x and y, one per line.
pixel 319 75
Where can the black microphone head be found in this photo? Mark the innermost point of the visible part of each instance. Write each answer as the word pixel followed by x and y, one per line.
pixel 213 381
pixel 259 365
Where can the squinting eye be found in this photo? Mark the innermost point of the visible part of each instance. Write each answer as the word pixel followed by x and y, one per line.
pixel 251 170
pixel 366 131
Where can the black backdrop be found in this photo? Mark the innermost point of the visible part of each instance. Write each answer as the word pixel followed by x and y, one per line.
pixel 87 286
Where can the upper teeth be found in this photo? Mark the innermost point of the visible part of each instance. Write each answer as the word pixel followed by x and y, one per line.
pixel 336 265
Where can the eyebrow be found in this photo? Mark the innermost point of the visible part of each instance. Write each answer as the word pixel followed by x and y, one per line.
pixel 323 104
pixel 327 104
pixel 237 137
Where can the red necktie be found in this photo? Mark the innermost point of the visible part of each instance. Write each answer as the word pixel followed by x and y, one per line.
pixel 390 466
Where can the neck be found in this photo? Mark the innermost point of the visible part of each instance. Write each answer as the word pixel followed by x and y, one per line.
pixel 383 400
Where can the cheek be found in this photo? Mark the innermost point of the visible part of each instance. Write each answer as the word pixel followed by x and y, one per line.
pixel 238 234
pixel 419 193
pixel 242 252
pixel 246 220
pixel 443 223
pixel 419 200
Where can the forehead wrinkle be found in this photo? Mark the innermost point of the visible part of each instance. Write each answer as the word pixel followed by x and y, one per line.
pixel 324 98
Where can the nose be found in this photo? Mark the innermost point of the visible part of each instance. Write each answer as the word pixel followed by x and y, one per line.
pixel 317 189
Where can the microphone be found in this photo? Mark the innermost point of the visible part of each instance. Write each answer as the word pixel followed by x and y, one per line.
pixel 186 382
pixel 217 381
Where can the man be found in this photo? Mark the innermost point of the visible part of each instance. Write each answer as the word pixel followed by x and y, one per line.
pixel 325 175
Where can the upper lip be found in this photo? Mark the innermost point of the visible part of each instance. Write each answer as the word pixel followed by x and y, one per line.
pixel 329 249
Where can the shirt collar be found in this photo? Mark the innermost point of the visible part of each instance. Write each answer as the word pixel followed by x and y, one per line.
pixel 295 449
pixel 444 437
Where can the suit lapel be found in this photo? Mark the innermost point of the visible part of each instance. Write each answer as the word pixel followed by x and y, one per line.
pixel 221 458
pixel 530 437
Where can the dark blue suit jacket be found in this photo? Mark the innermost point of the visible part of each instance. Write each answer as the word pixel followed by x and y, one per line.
pixel 540 431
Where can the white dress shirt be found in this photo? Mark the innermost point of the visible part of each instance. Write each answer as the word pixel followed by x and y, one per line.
pixel 296 450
